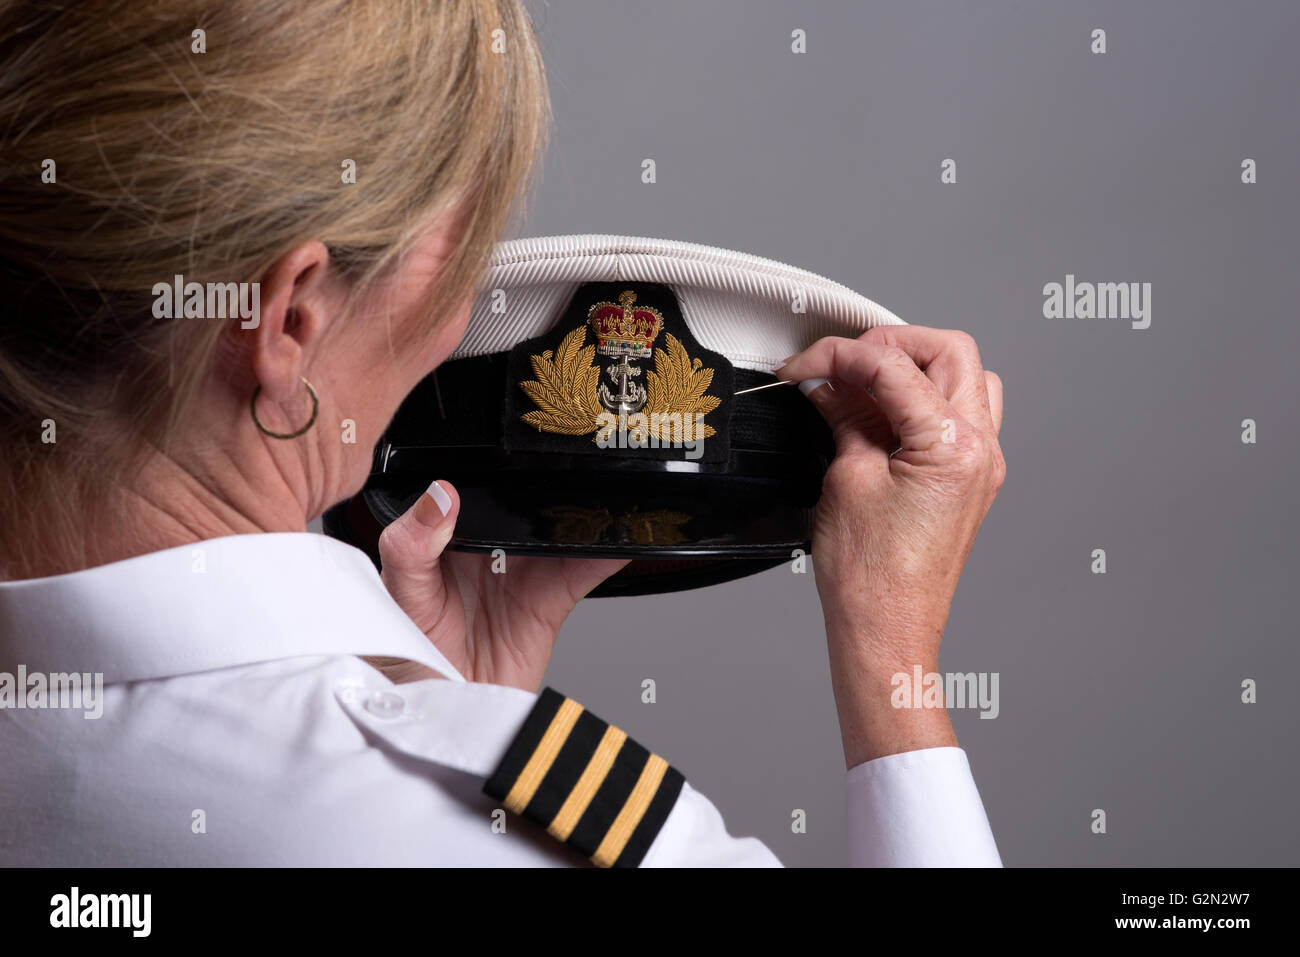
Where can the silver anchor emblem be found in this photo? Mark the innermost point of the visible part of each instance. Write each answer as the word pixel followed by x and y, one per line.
pixel 631 397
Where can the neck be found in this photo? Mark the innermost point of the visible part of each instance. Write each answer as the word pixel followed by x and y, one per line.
pixel 164 505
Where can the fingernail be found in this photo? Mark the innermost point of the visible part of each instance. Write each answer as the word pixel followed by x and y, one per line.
pixel 808 385
pixel 440 498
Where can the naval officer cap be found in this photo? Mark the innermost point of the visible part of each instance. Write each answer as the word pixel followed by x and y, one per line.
pixel 604 402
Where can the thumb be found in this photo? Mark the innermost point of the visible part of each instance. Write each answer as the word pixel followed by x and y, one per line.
pixel 410 549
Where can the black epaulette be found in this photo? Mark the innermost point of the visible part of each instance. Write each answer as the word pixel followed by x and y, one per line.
pixel 586 782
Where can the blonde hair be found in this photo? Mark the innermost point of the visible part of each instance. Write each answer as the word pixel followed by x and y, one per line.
pixel 214 165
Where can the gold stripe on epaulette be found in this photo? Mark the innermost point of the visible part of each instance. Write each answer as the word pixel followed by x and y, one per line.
pixel 544 756
pixel 592 778
pixel 630 816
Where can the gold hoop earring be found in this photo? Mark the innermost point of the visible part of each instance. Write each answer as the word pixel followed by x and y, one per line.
pixel 315 407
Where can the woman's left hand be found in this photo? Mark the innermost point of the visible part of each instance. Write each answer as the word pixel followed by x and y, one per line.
pixel 493 627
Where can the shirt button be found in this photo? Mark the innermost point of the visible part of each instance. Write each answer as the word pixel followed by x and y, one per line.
pixel 385 704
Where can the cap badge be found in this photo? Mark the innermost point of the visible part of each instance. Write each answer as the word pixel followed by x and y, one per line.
pixel 573 398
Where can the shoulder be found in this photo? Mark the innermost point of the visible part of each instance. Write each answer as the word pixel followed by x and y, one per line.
pixel 322 761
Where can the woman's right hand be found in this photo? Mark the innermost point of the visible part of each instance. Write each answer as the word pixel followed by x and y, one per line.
pixel 893 531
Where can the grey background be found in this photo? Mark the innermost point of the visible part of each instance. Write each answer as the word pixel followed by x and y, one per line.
pixel 1119 691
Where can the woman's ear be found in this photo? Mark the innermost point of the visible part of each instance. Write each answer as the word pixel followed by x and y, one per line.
pixel 294 312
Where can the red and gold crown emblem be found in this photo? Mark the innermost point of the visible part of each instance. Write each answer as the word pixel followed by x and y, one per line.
pixel 624 328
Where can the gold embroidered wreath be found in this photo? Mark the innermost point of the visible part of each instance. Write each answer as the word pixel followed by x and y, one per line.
pixel 566 385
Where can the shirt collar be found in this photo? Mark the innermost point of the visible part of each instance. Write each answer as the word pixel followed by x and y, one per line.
pixel 214 604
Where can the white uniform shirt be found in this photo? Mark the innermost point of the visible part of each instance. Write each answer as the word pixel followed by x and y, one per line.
pixel 238 726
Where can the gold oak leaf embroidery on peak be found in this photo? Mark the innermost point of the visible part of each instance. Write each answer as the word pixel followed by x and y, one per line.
pixel 587 526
